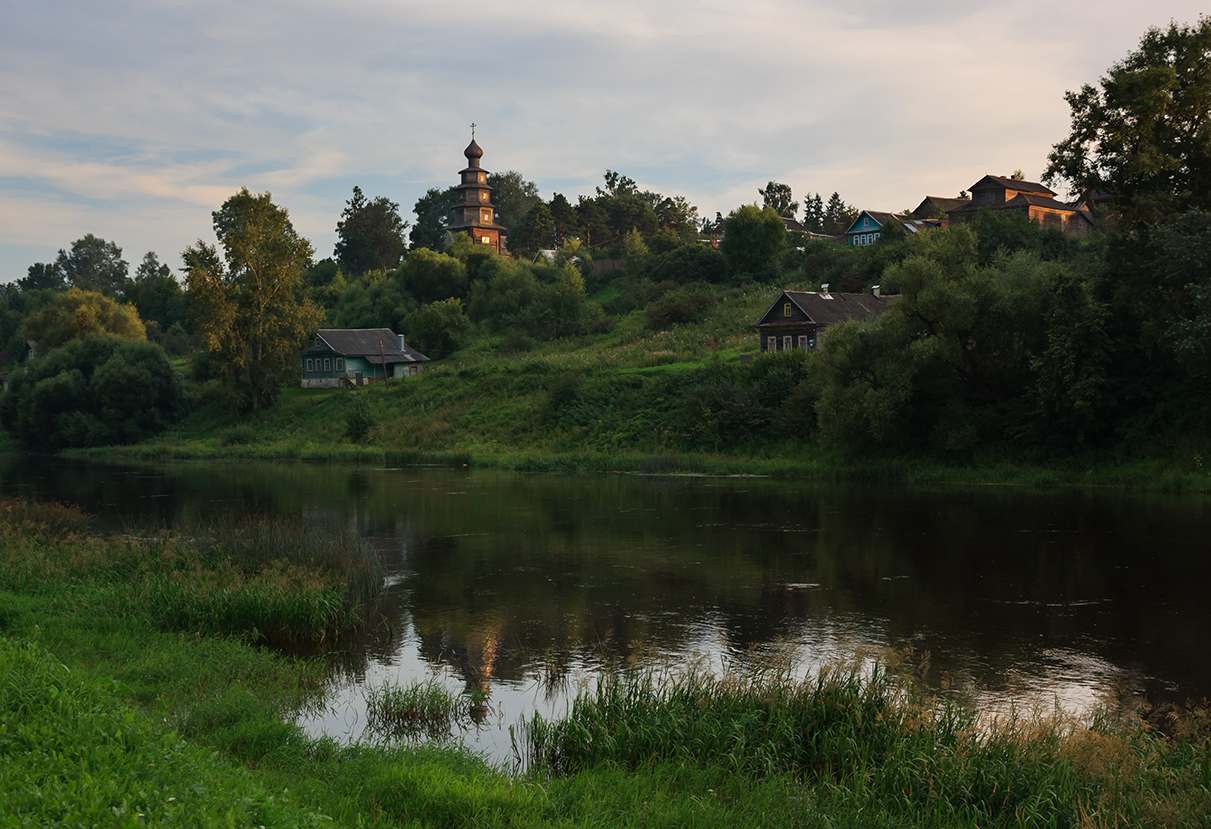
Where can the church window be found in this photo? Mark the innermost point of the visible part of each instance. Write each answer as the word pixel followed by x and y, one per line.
pixel 483 195
pixel 485 240
pixel 483 177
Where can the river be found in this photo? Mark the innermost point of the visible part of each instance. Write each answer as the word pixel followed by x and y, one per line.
pixel 521 587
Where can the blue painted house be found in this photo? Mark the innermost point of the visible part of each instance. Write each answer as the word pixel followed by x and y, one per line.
pixel 357 357
pixel 868 227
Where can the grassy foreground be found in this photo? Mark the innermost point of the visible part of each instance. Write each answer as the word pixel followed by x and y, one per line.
pixel 120 710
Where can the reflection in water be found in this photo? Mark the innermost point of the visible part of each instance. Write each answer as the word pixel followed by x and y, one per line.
pixel 518 589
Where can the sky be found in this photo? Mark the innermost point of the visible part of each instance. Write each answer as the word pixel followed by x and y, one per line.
pixel 134 119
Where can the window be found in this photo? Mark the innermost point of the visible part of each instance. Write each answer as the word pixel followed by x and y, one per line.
pixel 786 309
pixel 327 364
pixel 413 371
pixel 803 341
pixel 772 344
pixel 340 363
pixel 310 364
pixel 487 240
pixel 483 177
pixel 786 342
pixel 486 215
pixel 483 195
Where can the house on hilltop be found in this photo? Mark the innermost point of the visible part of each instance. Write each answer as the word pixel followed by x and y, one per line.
pixel 868 227
pixel 357 357
pixel 936 207
pixel 797 318
pixel 1036 201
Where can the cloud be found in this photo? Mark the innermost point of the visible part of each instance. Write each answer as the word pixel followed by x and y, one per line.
pixel 136 118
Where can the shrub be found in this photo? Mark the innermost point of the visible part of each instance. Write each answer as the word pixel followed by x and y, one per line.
pixel 94 391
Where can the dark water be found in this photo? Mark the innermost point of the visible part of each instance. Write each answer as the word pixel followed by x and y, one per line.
pixel 522 586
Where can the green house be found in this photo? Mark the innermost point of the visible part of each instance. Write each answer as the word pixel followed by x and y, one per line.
pixel 358 357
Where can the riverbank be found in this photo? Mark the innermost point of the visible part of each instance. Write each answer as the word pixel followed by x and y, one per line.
pixel 115 711
pixel 529 415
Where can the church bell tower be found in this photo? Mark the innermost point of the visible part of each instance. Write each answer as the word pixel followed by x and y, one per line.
pixel 473 211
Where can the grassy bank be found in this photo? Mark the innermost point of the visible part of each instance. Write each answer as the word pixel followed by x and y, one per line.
pixel 114 710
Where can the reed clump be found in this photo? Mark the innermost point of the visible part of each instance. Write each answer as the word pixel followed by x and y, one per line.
pixel 421 710
pixel 866 739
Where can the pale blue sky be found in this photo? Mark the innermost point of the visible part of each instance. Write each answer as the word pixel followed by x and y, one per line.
pixel 134 119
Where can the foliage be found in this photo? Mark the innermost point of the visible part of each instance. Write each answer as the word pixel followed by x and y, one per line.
pixel 777 196
pixel 252 315
pixel 43 276
pixel 432 215
pixel 680 305
pixel 373 300
pixel 370 235
pixel 430 276
pixel 76 313
pixel 359 419
pixel 512 196
pixel 94 391
pixel 753 243
pixel 1142 135
pixel 439 328
pixel 93 264
pixel 156 294
pixel 533 232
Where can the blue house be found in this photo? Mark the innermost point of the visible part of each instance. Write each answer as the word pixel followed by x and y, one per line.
pixel 357 357
pixel 868 227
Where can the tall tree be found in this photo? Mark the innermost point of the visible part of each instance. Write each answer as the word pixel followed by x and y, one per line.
pixel 43 276
pixel 249 307
pixel 93 264
pixel 838 215
pixel 813 213
pixel 1144 135
pixel 512 196
pixel 156 293
pixel 432 215
pixel 778 196
pixel 370 235
pixel 754 240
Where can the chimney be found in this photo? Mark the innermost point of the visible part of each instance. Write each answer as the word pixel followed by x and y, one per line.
pixel 874 289
pixel 824 291
pixel 401 342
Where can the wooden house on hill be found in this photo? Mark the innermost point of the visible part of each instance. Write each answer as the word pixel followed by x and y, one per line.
pixel 868 227
pixel 357 357
pixel 1036 201
pixel 797 318
pixel 936 207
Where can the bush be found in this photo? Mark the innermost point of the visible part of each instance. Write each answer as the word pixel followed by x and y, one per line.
pixel 94 391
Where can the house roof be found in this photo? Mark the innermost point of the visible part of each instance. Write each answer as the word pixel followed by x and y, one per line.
pixel 828 308
pixel 1014 184
pixel 377 345
pixel 929 206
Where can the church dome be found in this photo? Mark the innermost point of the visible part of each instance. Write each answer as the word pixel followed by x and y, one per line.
pixel 473 151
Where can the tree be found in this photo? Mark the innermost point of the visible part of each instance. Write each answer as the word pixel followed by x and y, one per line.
pixel 1144 135
pixel 754 240
pixel 512 196
pixel 432 215
pixel 94 391
pixel 74 313
pixel 252 314
pixel 43 276
pixel 371 235
pixel 778 196
pixel 156 293
pixel 813 213
pixel 838 215
pixel 93 265
pixel 535 231
pixel 439 328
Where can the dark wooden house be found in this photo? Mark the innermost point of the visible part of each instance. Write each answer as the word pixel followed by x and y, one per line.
pixel 1036 201
pixel 797 318
pixel 358 356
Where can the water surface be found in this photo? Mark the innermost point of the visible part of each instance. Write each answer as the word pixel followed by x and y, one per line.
pixel 521 587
